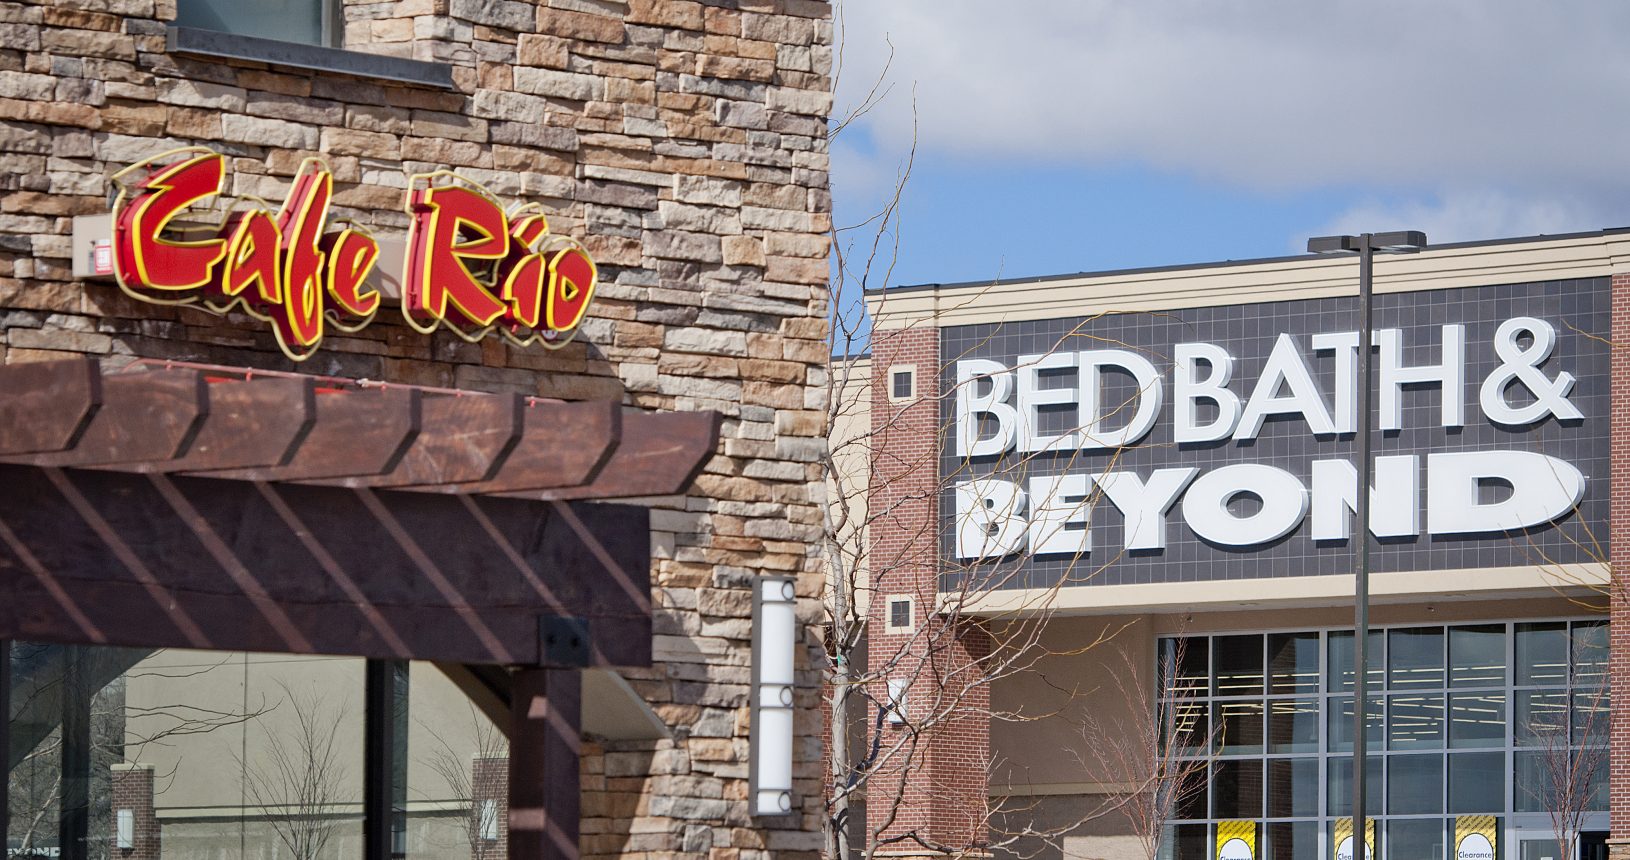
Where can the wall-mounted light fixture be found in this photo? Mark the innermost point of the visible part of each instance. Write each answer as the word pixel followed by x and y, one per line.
pixel 124 829
pixel 775 640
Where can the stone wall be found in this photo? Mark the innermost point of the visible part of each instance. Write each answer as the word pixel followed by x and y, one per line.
pixel 683 143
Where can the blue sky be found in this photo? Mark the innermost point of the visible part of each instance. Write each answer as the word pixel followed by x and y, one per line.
pixel 1056 136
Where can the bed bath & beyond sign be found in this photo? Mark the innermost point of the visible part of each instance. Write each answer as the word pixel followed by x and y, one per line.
pixel 469 266
pixel 999 410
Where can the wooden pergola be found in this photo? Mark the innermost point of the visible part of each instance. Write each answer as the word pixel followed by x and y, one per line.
pixel 188 506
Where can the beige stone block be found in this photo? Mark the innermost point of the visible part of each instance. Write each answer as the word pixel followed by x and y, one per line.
pixel 367 144
pixel 797 244
pixel 262 131
pixel 797 270
pixel 580 25
pixel 680 14
pixel 735 68
pixel 89 43
pixel 546 51
pixel 743 251
pixel 193 122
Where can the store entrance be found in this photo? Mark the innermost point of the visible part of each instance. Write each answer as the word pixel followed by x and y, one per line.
pixel 1592 846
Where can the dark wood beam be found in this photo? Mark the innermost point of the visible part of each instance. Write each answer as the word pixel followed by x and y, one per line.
pixel 462 439
pixel 46 405
pixel 256 423
pixel 545 740
pixel 174 561
pixel 145 416
pixel 561 445
pixel 660 455
pixel 356 433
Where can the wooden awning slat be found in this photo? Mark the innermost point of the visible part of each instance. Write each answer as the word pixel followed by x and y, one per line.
pixel 144 417
pixel 660 455
pixel 255 423
pixel 46 405
pixel 561 445
pixel 356 433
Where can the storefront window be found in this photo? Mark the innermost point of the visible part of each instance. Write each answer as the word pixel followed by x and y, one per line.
pixel 305 21
pixel 202 753
pixel 1501 720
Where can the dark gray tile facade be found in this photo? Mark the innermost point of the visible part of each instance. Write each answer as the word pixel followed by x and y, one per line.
pixel 1579 310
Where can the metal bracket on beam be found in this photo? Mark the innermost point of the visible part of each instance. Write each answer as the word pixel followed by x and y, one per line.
pixel 563 641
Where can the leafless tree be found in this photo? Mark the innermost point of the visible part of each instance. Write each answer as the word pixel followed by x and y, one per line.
pixel 298 779
pixel 1156 755
pixel 1570 754
pixel 459 774
pixel 946 663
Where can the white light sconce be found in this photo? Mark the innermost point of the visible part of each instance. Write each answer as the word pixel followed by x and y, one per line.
pixel 489 820
pixel 897 700
pixel 775 640
pixel 125 829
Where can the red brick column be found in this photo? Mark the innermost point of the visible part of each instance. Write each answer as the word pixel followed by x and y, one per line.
pixel 939 796
pixel 1619 563
pixel 133 790
pixel 489 781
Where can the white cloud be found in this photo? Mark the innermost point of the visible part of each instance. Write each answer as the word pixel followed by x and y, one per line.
pixel 1496 115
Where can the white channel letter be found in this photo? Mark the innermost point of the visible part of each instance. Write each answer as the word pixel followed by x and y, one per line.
pixel 971 374
pixel 1345 345
pixel 1188 390
pixel 1056 503
pixel 1144 504
pixel 1395 498
pixel 1449 374
pixel 1284 504
pixel 1521 364
pixel 1093 416
pixel 1542 489
pixel 989 518
pixel 1285 367
pixel 1032 396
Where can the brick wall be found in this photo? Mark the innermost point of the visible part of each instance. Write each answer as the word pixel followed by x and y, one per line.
pixel 683 143
pixel 1619 562
pixel 133 790
pixel 941 791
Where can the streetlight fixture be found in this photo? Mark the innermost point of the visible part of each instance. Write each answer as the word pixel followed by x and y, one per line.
pixel 1366 246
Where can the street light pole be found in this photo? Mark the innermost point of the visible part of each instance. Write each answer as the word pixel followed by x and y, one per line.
pixel 1365 245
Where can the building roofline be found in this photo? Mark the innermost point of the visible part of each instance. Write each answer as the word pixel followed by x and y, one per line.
pixel 1220 264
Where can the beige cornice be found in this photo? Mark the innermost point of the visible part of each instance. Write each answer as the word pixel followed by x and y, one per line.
pixel 1287 592
pixel 1448 267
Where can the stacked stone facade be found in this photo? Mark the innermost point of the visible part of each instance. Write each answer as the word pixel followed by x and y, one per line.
pixel 682 142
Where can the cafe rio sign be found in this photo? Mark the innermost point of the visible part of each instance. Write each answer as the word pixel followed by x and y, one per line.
pixel 469 266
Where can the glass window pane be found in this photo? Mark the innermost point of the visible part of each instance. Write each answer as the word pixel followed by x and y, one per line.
pixel 1591 718
pixel 284 20
pixel 1542 654
pixel 1186 725
pixel 1191 802
pixel 1241 728
pixel 1293 787
pixel 1414 784
pixel 1477 656
pixel 1339 726
pixel 1238 661
pixel 1591 765
pixel 1341 660
pixel 1476 720
pixel 1339 785
pixel 1541 719
pixel 1560 779
pixel 1415 722
pixel 1293 840
pixel 1589 654
pixel 1236 788
pixel 457 774
pixel 1293 663
pixel 1184 667
pixel 1476 783
pixel 1415 658
pixel 1184 842
pixel 1293 726
pixel 1421 839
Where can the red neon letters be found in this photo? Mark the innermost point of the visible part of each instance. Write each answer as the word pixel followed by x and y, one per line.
pixel 469 265
pixel 473 268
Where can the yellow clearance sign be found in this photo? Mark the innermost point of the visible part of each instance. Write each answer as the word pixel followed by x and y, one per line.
pixel 1344 839
pixel 1236 840
pixel 1476 837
